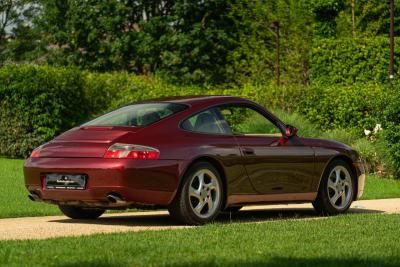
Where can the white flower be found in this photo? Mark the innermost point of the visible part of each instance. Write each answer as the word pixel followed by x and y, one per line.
pixel 367 132
pixel 377 128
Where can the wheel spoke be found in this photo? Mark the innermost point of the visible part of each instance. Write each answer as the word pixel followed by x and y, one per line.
pixel 331 184
pixel 337 173
pixel 212 185
pixel 343 199
pixel 193 192
pixel 201 180
pixel 200 206
pixel 210 203
pixel 335 197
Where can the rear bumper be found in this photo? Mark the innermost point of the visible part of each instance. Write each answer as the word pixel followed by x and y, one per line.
pixel 148 182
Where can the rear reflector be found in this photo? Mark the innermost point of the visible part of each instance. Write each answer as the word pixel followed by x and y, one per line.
pixel 127 151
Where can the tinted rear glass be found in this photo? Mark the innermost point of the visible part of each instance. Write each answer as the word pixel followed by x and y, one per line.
pixel 137 114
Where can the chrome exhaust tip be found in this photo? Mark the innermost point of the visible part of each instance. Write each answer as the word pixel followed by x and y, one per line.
pixel 115 199
pixel 34 197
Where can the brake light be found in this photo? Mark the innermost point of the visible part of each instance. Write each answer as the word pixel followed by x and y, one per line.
pixel 126 151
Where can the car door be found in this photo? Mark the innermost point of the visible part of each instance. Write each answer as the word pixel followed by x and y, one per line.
pixel 273 165
pixel 208 134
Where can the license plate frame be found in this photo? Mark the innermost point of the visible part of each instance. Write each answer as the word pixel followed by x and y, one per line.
pixel 65 181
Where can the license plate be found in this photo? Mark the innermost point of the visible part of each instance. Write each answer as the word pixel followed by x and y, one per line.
pixel 65 181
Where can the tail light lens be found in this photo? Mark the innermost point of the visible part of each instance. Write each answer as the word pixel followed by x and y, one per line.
pixel 127 151
pixel 36 152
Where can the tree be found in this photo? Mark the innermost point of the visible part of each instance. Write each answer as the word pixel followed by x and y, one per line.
pixel 15 18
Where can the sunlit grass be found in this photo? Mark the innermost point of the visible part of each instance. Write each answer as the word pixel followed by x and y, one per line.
pixel 349 240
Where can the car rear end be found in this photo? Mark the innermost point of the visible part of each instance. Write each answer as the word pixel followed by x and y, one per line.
pixel 101 166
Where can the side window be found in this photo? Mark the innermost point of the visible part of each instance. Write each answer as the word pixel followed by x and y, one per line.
pixel 247 121
pixel 208 121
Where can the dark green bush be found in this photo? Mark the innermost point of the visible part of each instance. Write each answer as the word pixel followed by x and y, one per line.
pixel 391 124
pixel 37 103
pixel 354 106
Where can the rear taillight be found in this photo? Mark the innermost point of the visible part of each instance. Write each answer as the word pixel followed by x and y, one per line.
pixel 36 152
pixel 126 151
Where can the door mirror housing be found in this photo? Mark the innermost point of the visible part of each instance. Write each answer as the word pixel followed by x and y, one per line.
pixel 290 131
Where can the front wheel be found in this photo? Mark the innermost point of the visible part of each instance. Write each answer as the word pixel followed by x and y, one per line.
pixel 75 212
pixel 336 190
pixel 199 198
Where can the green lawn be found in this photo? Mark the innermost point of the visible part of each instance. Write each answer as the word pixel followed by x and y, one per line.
pixel 15 203
pixel 348 240
pixel 377 187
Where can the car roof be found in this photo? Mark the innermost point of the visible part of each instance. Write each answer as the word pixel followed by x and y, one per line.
pixel 190 100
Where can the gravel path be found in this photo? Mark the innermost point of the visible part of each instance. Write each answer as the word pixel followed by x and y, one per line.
pixel 57 226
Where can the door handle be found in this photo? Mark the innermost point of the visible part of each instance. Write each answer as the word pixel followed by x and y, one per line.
pixel 248 151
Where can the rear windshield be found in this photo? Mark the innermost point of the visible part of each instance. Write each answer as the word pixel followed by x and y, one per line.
pixel 137 114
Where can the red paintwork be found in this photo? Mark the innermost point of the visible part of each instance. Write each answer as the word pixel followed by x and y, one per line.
pixel 280 169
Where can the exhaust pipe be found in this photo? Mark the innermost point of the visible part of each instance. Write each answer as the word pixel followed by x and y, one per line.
pixel 115 199
pixel 34 197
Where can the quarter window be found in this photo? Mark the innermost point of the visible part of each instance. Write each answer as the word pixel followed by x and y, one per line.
pixel 208 121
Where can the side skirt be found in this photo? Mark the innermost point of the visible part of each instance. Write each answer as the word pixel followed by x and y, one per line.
pixel 273 198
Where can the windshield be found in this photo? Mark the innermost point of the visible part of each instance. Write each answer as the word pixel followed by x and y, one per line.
pixel 137 114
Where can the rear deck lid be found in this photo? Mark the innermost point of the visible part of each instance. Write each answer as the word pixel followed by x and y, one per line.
pixel 85 142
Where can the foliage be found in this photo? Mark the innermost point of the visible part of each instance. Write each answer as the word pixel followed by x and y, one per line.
pixel 353 106
pixel 206 42
pixel 373 17
pixel 183 40
pixel 391 122
pixel 36 104
pixel 209 42
pixel 15 22
pixel 326 12
pixel 349 60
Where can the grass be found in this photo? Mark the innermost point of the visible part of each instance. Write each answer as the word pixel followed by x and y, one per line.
pixel 15 203
pixel 14 200
pixel 348 240
pixel 377 188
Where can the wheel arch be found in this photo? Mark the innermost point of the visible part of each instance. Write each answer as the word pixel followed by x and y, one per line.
pixel 349 161
pixel 216 164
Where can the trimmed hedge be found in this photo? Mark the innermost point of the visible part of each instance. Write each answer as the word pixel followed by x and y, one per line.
pixel 37 103
pixel 351 60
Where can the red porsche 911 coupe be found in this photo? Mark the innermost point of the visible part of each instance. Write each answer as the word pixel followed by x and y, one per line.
pixel 196 156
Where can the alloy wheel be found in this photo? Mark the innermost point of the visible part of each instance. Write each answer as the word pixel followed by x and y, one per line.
pixel 204 193
pixel 340 187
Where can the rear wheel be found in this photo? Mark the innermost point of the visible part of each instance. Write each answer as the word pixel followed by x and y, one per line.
pixel 336 191
pixel 75 212
pixel 199 199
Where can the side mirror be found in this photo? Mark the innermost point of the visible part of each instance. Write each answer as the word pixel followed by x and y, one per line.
pixel 290 130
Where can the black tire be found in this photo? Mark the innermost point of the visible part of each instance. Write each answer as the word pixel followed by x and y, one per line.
pixel 233 209
pixel 75 212
pixel 182 208
pixel 323 203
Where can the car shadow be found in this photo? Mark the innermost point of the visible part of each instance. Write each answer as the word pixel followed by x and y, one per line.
pixel 254 215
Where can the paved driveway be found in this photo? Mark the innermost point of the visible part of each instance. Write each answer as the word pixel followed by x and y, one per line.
pixel 57 226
